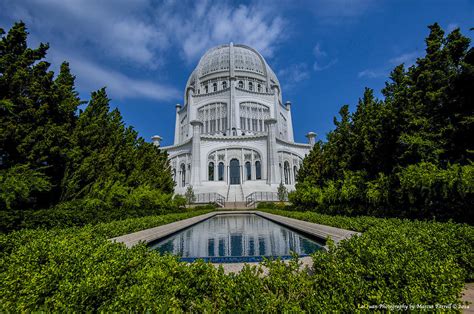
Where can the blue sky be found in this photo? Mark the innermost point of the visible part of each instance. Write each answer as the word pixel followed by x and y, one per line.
pixel 324 52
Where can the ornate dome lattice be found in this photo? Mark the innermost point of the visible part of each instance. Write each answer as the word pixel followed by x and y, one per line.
pixel 244 60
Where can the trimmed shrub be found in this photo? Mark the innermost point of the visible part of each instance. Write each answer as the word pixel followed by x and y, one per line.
pixel 78 269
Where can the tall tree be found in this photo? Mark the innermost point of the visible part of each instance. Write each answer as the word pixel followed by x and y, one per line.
pixel 37 112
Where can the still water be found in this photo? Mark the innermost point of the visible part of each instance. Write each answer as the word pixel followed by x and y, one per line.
pixel 236 238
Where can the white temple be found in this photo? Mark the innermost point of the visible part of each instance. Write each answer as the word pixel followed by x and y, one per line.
pixel 233 135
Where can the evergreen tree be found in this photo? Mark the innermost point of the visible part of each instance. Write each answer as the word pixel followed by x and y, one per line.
pixel 37 112
pixel 49 152
pixel 108 154
pixel 408 155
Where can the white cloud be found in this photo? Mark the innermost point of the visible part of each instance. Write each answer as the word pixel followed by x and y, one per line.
pixel 116 29
pixel 318 52
pixel 139 35
pixel 142 32
pixel 332 12
pixel 294 73
pixel 91 76
pixel 197 26
pixel 322 61
pixel 452 27
pixel 368 73
pixel 317 66
pixel 407 58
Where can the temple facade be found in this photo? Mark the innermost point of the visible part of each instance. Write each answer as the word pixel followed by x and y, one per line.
pixel 233 134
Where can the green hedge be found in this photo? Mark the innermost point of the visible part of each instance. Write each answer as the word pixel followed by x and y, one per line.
pixel 78 269
pixel 440 239
pixel 89 211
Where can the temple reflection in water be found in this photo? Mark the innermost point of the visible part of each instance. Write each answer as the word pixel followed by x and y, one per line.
pixel 234 235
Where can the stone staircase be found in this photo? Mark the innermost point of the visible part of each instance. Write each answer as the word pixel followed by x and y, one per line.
pixel 235 193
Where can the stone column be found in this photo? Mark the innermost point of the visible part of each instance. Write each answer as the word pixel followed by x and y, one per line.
pixel 276 102
pixel 231 123
pixel 311 138
pixel 273 175
pixel 177 126
pixel 253 169
pixel 192 115
pixel 156 139
pixel 289 122
pixel 196 153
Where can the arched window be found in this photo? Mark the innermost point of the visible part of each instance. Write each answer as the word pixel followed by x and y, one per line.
pixel 259 88
pixel 258 170
pixel 206 89
pixel 220 171
pixel 250 86
pixel 241 84
pixel 214 87
pixel 295 172
pixel 211 171
pixel 224 85
pixel 183 175
pixel 248 170
pixel 287 172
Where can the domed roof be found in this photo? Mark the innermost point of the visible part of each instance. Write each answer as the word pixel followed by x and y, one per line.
pixel 232 60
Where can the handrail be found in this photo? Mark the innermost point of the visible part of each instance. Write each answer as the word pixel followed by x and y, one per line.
pixel 255 197
pixel 205 198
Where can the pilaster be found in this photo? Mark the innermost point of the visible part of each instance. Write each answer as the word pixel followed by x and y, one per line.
pixel 177 126
pixel 289 122
pixel 273 174
pixel 196 153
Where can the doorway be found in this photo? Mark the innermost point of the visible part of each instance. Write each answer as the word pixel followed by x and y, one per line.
pixel 234 171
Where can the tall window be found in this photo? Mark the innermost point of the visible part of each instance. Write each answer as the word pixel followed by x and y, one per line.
pixel 248 170
pixel 295 171
pixel 183 175
pixel 287 172
pixel 241 84
pixel 281 172
pixel 250 86
pixel 211 171
pixel 214 87
pixel 206 89
pixel 258 170
pixel 224 85
pixel 259 88
pixel 220 171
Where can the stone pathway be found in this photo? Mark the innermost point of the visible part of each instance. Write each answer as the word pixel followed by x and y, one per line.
pixel 468 296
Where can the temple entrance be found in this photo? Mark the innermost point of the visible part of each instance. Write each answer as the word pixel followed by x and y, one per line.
pixel 234 171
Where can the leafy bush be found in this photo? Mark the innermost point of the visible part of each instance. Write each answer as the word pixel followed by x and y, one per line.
pixel 78 269
pixel 140 202
pixel 272 205
pixel 189 195
pixel 282 192
pixel 19 183
pixel 450 239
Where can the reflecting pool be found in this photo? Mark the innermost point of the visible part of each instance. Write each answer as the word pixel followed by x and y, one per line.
pixel 236 238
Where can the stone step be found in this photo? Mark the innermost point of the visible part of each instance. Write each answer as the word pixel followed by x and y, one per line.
pixel 235 205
